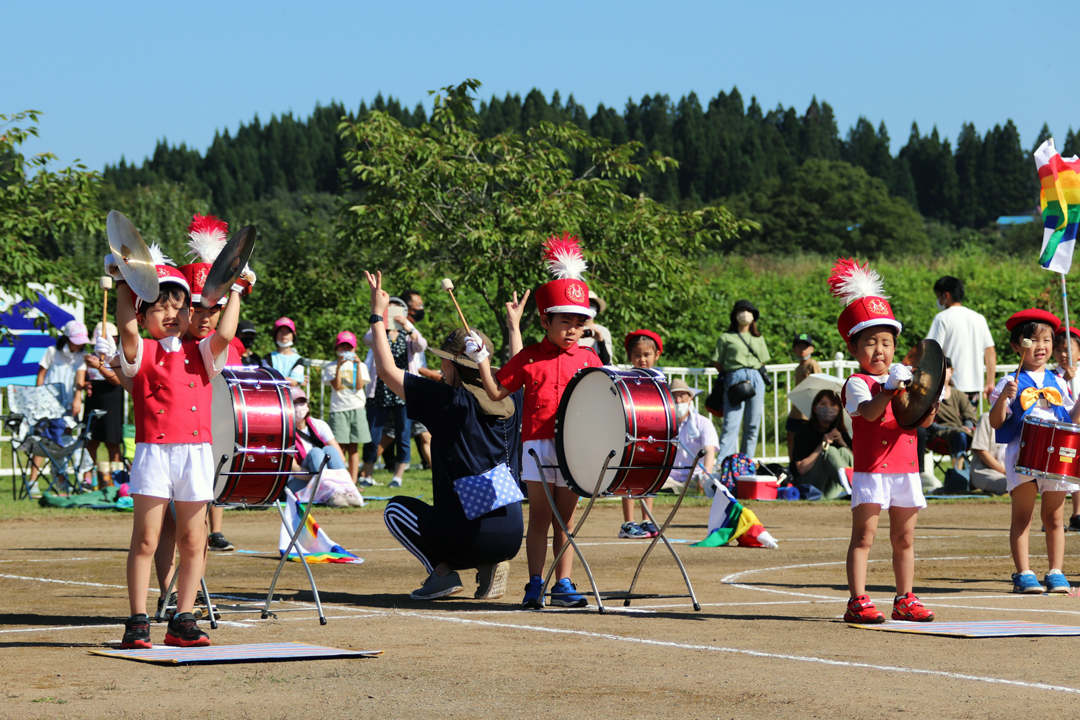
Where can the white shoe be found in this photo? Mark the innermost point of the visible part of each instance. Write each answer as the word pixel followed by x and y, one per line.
pixel 395 483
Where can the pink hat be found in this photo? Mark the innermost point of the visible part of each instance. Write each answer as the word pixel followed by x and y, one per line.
pixel 76 332
pixel 284 322
pixel 346 337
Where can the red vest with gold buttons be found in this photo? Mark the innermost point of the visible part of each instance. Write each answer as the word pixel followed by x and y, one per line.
pixel 881 446
pixel 172 395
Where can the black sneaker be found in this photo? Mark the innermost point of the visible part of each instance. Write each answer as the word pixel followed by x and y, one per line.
pixel 1074 524
pixel 169 608
pixel 136 633
pixel 218 542
pixel 200 602
pixel 184 632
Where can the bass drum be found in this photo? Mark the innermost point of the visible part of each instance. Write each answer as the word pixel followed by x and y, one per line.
pixel 1049 450
pixel 629 412
pixel 253 426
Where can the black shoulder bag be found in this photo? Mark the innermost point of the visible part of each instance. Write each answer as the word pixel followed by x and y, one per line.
pixel 744 389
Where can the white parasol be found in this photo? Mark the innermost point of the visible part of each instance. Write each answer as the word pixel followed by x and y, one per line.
pixel 804 393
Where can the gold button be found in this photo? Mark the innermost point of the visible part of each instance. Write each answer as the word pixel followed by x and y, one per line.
pixel 160 411
pixel 884 442
pixel 192 408
pixel 161 435
pixel 884 465
pixel 186 362
pixel 911 463
pixel 161 363
pixel 191 384
pixel 910 441
pixel 195 433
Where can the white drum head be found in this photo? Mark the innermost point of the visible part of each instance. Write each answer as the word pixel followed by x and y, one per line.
pixel 594 424
pixel 223 427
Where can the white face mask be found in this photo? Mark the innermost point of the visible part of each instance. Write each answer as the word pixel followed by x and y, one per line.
pixel 744 318
pixel 940 305
pixel 283 344
pixel 300 413
pixel 682 409
pixel 826 413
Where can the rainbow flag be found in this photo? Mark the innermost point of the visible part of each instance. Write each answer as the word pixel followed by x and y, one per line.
pixel 312 540
pixel 728 520
pixel 1059 196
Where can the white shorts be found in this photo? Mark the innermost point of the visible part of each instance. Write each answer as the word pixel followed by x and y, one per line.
pixel 176 471
pixel 546 450
pixel 887 490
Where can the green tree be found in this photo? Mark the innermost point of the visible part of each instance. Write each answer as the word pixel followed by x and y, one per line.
pixel 827 207
pixel 443 198
pixel 38 205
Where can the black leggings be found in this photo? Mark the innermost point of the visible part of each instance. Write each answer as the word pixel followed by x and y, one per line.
pixel 435 537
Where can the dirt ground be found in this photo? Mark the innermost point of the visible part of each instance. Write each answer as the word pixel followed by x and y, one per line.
pixel 768 641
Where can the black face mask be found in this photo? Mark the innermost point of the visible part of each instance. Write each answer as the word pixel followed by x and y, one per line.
pixel 247 341
pixel 417 315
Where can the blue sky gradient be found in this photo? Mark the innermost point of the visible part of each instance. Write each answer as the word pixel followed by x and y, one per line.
pixel 114 77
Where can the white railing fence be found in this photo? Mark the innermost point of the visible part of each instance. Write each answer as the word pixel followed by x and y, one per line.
pixel 770 441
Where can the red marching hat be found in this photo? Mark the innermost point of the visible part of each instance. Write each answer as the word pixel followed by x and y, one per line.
pixel 861 290
pixel 167 272
pixel 1034 315
pixel 567 293
pixel 208 236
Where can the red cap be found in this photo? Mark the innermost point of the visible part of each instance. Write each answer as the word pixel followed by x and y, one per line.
pixel 1072 331
pixel 564 296
pixel 865 312
pixel 861 290
pixel 644 333
pixel 1033 315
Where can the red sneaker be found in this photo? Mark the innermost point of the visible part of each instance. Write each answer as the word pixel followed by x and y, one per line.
pixel 861 610
pixel 909 607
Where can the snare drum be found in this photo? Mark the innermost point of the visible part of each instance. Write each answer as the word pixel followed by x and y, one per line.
pixel 1048 450
pixel 628 412
pixel 253 425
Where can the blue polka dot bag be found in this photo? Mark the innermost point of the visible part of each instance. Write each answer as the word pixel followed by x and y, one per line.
pixel 480 494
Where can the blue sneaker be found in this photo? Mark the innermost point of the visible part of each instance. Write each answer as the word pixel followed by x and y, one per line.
pixel 1027 583
pixel 534 593
pixel 1056 583
pixel 631 530
pixel 565 594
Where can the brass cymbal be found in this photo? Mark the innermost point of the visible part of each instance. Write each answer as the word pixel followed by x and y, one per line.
pixel 132 256
pixel 911 406
pixel 229 264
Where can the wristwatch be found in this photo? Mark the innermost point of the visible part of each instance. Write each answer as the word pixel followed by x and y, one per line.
pixel 374 319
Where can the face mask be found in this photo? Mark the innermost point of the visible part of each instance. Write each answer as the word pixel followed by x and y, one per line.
pixel 826 413
pixel 283 344
pixel 940 305
pixel 418 315
pixel 300 413
pixel 744 318
pixel 247 341
pixel 682 409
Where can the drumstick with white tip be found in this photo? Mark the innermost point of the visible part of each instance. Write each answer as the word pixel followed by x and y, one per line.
pixel 448 286
pixel 1026 343
pixel 106 285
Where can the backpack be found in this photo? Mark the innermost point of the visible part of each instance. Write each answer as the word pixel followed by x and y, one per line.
pixel 733 466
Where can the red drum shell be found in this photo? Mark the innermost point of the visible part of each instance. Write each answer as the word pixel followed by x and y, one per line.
pixel 629 412
pixel 252 410
pixel 1049 450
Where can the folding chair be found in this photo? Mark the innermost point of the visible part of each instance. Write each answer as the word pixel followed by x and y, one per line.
pixel 34 421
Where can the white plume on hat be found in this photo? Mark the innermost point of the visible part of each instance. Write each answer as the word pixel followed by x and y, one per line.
pixel 208 237
pixel 159 257
pixel 851 281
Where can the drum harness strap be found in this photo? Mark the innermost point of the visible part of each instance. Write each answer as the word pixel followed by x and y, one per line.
pixel 311 437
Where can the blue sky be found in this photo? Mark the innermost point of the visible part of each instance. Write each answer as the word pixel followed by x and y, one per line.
pixel 114 77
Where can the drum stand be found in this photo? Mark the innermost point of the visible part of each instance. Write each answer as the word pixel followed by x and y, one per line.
pixel 265 608
pixel 628 595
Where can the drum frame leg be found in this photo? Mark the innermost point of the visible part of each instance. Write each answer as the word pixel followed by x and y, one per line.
pixel 663 536
pixel 577 527
pixel 292 543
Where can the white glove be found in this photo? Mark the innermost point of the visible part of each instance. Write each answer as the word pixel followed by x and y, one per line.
pixel 112 268
pixel 474 348
pixel 245 282
pixel 898 374
pixel 104 347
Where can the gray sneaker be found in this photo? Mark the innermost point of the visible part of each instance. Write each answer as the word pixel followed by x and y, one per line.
pixel 436 587
pixel 491 580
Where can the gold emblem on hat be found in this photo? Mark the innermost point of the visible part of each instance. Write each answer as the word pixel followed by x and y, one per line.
pixel 575 293
pixel 878 306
